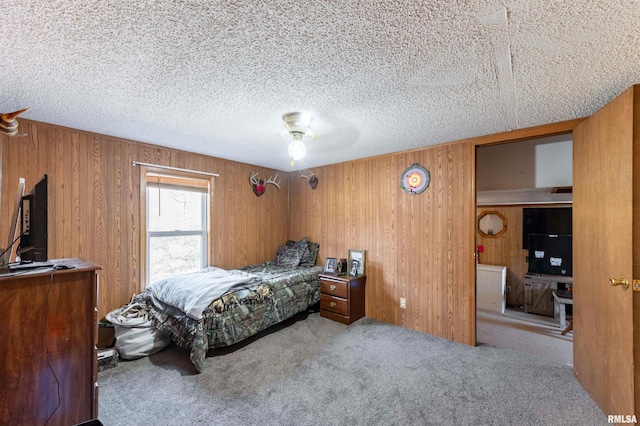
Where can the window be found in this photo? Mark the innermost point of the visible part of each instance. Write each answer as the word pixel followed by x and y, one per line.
pixel 175 223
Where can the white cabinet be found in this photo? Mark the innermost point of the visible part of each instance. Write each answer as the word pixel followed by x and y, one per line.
pixel 491 288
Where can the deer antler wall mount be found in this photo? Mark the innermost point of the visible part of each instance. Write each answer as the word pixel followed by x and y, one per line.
pixel 313 179
pixel 258 185
pixel 9 124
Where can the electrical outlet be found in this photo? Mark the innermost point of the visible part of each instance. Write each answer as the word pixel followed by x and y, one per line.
pixel 508 289
pixel 403 303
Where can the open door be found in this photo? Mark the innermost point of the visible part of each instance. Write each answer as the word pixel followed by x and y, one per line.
pixel 606 244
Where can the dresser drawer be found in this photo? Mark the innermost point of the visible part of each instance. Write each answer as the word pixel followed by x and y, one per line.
pixel 333 304
pixel 334 288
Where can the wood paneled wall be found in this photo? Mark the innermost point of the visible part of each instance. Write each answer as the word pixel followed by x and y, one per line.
pixel 94 202
pixel 419 247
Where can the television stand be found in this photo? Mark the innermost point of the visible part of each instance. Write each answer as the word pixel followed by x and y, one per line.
pixel 538 292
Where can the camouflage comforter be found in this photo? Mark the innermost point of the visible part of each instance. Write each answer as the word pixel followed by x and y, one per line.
pixel 242 312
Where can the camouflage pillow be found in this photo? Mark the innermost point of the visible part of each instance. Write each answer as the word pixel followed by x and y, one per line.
pixel 303 247
pixel 314 248
pixel 288 257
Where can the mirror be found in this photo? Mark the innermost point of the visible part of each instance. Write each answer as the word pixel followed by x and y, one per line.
pixel 492 224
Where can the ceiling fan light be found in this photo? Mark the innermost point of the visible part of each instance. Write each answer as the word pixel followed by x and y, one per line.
pixel 297 121
pixel 297 149
pixel 297 127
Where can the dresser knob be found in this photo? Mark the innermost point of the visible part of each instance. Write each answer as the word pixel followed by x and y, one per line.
pixel 333 304
pixel 332 287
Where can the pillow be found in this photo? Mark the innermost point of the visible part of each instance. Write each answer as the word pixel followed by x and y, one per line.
pixel 309 258
pixel 314 249
pixel 288 257
pixel 303 247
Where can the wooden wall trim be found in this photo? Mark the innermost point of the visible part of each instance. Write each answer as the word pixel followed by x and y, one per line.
pixel 543 131
pixel 470 264
pixel 636 243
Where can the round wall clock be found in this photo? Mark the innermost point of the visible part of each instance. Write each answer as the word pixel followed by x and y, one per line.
pixel 415 179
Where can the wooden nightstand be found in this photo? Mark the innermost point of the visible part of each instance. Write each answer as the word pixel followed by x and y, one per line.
pixel 342 297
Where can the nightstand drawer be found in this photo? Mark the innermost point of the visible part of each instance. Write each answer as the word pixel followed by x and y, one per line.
pixel 333 304
pixel 334 288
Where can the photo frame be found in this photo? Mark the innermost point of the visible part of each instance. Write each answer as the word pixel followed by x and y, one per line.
pixel 358 255
pixel 353 271
pixel 330 265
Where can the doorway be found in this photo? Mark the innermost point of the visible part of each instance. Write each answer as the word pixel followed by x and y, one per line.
pixel 514 179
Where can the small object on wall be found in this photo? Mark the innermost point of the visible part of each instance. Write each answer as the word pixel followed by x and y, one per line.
pixel 492 224
pixel 313 180
pixel 258 185
pixel 9 124
pixel 415 179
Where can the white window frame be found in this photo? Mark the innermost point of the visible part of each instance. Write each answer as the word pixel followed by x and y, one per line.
pixel 202 183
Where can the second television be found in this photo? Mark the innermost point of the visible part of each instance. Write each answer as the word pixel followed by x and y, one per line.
pixel 33 223
pixel 550 254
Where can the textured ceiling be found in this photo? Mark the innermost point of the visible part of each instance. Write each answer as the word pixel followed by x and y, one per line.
pixel 215 77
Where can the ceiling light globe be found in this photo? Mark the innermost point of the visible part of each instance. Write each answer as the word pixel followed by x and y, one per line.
pixel 297 150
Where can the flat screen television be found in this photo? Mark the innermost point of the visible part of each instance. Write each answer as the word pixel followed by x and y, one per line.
pixel 550 254
pixel 5 258
pixel 545 220
pixel 33 223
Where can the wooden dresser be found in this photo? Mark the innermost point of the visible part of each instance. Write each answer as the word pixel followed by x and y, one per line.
pixel 342 297
pixel 48 359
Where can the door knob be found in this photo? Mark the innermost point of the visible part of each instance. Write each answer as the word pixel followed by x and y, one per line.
pixel 622 281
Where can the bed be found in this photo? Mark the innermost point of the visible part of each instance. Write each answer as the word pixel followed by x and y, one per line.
pixel 253 298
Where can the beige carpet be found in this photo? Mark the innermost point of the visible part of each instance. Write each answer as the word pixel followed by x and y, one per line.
pixel 531 334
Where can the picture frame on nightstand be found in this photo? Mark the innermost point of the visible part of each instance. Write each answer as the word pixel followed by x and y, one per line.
pixel 330 265
pixel 354 268
pixel 359 256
